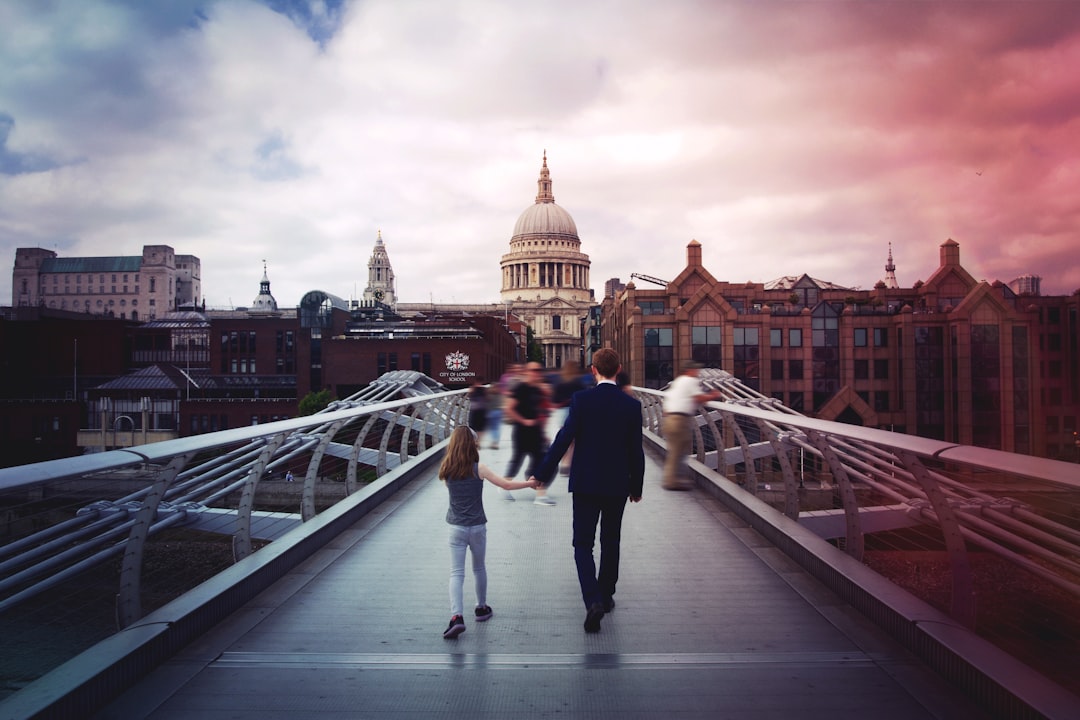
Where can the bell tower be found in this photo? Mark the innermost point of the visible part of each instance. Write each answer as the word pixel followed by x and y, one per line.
pixel 380 286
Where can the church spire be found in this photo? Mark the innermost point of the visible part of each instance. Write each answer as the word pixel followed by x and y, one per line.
pixel 890 271
pixel 543 185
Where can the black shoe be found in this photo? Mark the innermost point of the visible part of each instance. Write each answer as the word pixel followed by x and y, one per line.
pixel 609 605
pixel 456 627
pixel 593 617
pixel 483 613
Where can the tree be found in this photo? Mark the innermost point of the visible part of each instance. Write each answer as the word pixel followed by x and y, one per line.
pixel 313 402
pixel 534 350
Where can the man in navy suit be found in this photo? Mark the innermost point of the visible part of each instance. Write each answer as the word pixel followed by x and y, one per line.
pixel 604 424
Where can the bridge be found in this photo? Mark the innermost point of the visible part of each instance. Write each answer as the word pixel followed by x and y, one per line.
pixel 816 570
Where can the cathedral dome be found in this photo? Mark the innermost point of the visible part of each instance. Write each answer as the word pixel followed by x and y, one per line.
pixel 545 218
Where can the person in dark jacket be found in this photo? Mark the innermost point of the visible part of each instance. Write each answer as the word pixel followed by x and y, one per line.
pixel 608 467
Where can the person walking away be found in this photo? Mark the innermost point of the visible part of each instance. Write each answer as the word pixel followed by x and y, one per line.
pixel 681 403
pixel 570 382
pixel 478 412
pixel 464 477
pixel 608 468
pixel 525 408
pixel 496 398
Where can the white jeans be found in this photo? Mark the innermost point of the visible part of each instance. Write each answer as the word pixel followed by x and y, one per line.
pixel 472 537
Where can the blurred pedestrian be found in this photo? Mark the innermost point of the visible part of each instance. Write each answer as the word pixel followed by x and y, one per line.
pixel 478 410
pixel 681 403
pixel 570 382
pixel 497 399
pixel 525 408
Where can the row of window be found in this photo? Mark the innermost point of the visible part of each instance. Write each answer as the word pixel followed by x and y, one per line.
pixel 89 278
pixel 247 366
pixel 90 288
pixel 418 362
pixel 240 341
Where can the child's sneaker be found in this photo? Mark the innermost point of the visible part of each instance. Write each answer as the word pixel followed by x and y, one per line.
pixel 483 613
pixel 456 627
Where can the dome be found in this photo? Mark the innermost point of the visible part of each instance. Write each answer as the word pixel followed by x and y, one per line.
pixel 545 218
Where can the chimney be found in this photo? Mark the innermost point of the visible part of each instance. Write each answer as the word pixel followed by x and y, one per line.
pixel 693 254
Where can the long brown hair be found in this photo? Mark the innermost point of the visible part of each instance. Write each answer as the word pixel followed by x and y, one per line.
pixel 461 455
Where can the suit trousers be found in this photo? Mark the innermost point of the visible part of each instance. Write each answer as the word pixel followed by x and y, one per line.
pixel 607 511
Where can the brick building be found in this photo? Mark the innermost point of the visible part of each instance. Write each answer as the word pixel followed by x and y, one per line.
pixel 950 358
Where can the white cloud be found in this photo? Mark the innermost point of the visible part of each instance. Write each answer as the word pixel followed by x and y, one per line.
pixel 228 132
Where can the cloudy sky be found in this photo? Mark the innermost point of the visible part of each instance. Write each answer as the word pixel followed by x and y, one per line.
pixel 786 137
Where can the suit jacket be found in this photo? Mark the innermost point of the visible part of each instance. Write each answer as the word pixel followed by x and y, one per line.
pixel 604 423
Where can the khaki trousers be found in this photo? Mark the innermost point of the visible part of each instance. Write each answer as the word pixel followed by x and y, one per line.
pixel 678 438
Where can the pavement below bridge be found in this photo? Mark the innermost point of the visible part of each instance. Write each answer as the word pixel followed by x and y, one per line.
pixel 711 621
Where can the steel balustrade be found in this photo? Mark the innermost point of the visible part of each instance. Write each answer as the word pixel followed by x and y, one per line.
pixel 926 481
pixel 190 480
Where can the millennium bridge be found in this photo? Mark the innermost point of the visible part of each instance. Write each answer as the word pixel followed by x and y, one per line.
pixel 299 568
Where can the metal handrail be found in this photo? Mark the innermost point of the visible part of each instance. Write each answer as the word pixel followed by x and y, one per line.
pixel 186 476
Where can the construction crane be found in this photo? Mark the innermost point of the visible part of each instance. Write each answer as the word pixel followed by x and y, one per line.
pixel 649 278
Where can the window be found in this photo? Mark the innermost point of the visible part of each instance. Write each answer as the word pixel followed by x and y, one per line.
pixel 795 370
pixel 651 307
pixel 881 369
pixel 825 338
pixel 705 345
pixel 862 369
pixel 746 355
pixel 556 322
pixel 659 357
pixel 795 337
pixel 929 382
pixel 881 337
pixel 776 337
pixel 860 337
pixel 881 401
pixel 776 369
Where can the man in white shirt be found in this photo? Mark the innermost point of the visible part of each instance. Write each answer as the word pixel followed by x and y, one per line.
pixel 680 407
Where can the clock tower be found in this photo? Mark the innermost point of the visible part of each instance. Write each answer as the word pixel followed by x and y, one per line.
pixel 380 286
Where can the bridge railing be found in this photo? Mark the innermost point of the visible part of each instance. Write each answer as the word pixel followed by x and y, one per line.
pixel 992 538
pixel 91 544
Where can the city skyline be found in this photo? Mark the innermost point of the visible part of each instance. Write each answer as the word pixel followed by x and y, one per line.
pixel 293 133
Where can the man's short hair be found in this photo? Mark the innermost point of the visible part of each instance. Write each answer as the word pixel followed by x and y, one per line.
pixel 606 362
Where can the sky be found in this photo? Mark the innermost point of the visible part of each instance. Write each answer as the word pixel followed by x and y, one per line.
pixel 787 137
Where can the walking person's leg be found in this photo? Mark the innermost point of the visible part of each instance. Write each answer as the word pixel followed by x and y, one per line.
pixel 586 515
pixel 517 456
pixel 458 546
pixel 536 451
pixel 677 438
pixel 611 516
pixel 478 550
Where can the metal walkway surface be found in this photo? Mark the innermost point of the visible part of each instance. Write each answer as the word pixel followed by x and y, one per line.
pixel 711 621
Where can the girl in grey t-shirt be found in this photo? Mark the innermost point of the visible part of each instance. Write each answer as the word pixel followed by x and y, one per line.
pixel 464 476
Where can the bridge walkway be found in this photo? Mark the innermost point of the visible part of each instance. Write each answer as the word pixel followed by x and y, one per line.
pixel 711 621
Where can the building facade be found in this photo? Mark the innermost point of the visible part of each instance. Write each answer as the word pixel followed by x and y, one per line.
pixel 950 358
pixel 139 287
pixel 545 276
